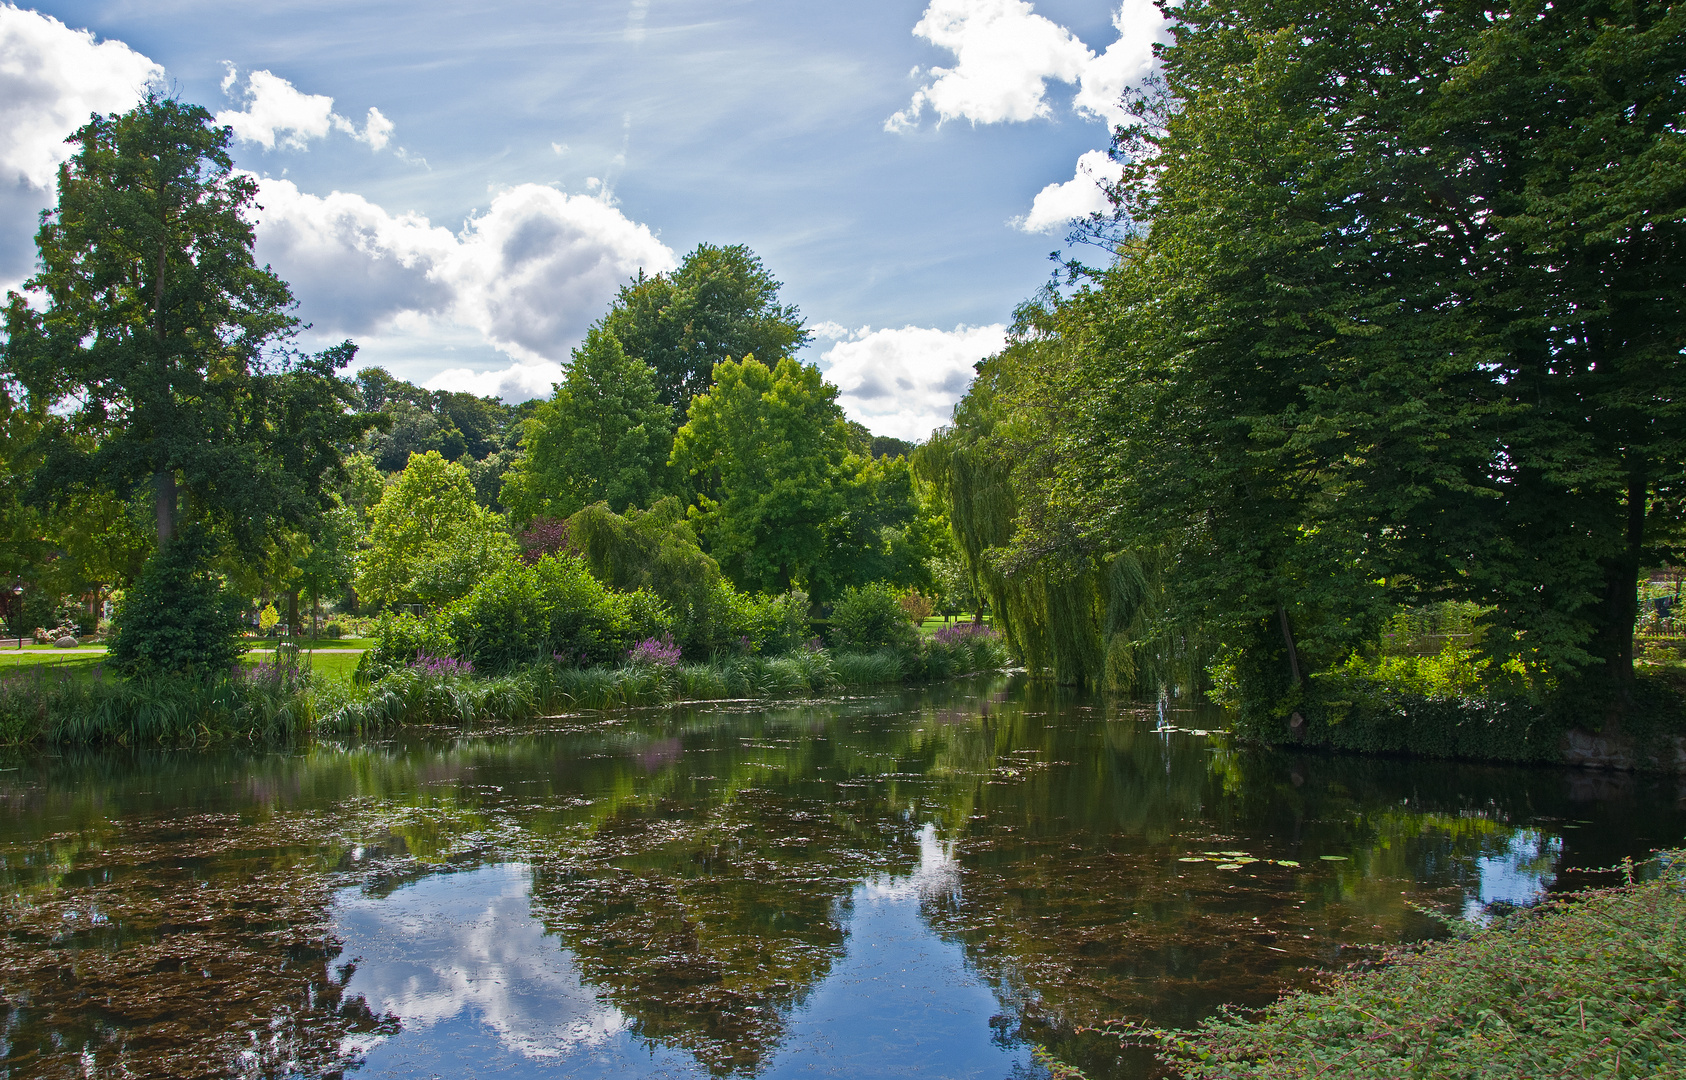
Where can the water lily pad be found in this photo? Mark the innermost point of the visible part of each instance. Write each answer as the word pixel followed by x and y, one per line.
pixel 1194 858
pixel 1234 854
pixel 1245 859
pixel 1286 862
pixel 1333 858
pixel 1229 866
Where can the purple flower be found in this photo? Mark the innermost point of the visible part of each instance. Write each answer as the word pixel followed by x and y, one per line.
pixel 440 666
pixel 656 652
pixel 954 633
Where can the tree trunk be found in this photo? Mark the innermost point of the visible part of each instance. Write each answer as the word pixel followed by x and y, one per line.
pixel 1288 640
pixel 293 613
pixel 1619 609
pixel 164 504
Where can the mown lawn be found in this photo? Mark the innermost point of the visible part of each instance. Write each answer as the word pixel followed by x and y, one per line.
pixel 81 662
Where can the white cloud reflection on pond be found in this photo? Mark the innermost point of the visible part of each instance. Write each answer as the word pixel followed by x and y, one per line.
pixel 481 988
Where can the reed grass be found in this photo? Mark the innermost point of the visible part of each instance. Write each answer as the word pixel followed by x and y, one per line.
pixel 279 705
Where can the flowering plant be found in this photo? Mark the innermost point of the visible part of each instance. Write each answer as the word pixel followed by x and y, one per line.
pixel 440 666
pixel 955 633
pixel 656 652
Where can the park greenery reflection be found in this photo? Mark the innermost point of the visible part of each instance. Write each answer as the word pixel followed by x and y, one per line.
pixel 175 913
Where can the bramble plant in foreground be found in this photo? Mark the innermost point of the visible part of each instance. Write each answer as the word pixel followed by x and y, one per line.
pixel 656 652
pixel 428 664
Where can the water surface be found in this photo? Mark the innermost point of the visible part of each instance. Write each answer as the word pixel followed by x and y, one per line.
pixel 920 884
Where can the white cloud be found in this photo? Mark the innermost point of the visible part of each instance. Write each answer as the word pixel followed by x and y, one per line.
pixel 1126 61
pixel 377 130
pixel 905 382
pixel 353 266
pixel 278 113
pixel 515 383
pixel 51 79
pixel 1005 55
pixel 529 274
pixel 1057 205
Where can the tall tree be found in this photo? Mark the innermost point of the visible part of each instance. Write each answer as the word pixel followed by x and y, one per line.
pixel 603 437
pixel 765 446
pixel 1401 319
pixel 154 332
pixel 720 304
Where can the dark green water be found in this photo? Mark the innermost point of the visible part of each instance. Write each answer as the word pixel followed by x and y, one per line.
pixel 908 885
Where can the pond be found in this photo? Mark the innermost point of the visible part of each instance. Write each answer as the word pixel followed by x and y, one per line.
pixel 911 884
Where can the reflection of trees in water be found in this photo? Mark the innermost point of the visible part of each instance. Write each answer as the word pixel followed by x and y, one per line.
pixel 179 957
pixel 706 923
pixel 698 867
pixel 1073 905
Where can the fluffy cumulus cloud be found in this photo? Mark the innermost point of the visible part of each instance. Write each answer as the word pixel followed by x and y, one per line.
pixel 1057 205
pixel 1005 55
pixel 51 79
pixel 277 113
pixel 528 275
pixel 905 382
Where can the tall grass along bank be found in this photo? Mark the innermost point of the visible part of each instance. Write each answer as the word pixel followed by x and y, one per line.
pixel 278 704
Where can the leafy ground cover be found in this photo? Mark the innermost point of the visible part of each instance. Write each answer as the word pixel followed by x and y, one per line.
pixel 1585 985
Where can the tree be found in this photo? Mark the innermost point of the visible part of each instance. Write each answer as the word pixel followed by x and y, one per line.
pixel 1397 319
pixel 720 304
pixel 153 348
pixel 429 541
pixel 603 437
pixel 765 446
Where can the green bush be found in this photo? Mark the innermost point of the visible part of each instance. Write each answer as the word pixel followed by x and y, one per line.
pixel 180 617
pixel 870 617
pixel 522 615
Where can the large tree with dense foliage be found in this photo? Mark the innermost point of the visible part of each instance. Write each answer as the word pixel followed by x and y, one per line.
pixel 153 335
pixel 765 446
pixel 150 347
pixel 429 541
pixel 603 437
pixel 1397 316
pixel 721 304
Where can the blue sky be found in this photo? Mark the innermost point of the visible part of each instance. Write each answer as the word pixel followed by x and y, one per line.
pixel 524 158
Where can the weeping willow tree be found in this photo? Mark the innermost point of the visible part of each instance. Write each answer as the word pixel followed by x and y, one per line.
pixel 1069 606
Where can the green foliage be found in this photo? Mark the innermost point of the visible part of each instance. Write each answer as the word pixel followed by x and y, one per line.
pixel 526 614
pixel 602 437
pixel 151 341
pixel 883 530
pixel 429 541
pixel 870 617
pixel 765 447
pixel 1588 985
pixel 179 618
pixel 721 304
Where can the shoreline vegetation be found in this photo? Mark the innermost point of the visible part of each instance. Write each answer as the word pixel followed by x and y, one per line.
pixel 269 703
pixel 1580 984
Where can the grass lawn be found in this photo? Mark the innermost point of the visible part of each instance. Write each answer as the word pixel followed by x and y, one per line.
pixel 937 622
pixel 81 662
pixel 316 643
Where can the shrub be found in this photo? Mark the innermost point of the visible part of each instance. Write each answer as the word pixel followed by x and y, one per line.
pixel 917 606
pixel 179 617
pixel 870 617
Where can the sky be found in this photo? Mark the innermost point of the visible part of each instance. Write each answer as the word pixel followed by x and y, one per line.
pixel 460 189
